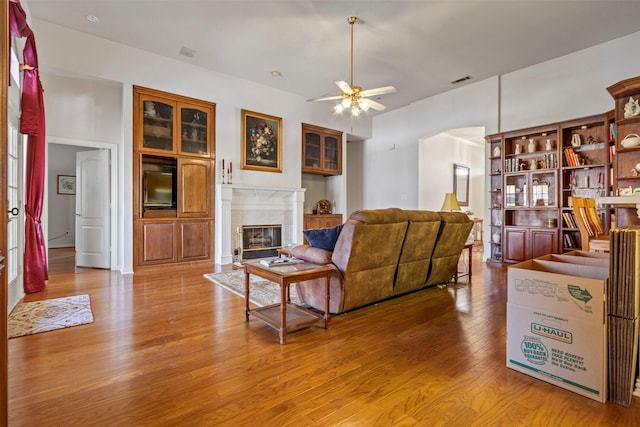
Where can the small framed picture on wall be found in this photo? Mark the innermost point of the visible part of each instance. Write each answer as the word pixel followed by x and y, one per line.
pixel 66 184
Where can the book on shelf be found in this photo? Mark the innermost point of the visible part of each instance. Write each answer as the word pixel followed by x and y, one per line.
pixel 612 132
pixel 276 262
pixel 570 242
pixel 569 220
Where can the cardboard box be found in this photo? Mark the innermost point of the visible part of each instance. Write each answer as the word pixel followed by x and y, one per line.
pixel 594 259
pixel 556 324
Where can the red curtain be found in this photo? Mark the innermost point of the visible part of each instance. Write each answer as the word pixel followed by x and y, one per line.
pixel 32 124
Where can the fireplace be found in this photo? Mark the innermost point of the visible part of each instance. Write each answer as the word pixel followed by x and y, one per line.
pixel 238 205
pixel 260 241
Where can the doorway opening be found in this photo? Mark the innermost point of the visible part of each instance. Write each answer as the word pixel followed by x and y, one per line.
pixel 60 216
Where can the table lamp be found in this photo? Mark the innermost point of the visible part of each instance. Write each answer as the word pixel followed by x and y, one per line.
pixel 450 203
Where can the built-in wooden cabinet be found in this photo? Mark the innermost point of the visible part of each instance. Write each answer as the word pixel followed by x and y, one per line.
pixel 495 196
pixel 533 174
pixel 173 178
pixel 313 222
pixel 194 176
pixel 321 150
pixel 530 189
pixel 165 125
pixel 523 243
pixel 626 95
pixel 586 171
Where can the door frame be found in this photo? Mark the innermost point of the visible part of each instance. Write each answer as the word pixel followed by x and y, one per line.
pixel 113 178
pixel 4 96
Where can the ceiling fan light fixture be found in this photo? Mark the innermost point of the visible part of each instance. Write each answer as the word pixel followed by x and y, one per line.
pixel 353 97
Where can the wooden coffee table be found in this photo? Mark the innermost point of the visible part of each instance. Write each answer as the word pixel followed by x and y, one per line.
pixel 286 317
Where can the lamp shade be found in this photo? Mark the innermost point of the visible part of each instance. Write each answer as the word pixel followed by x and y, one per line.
pixel 450 203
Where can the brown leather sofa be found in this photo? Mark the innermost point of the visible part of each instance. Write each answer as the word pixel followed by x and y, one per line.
pixel 383 253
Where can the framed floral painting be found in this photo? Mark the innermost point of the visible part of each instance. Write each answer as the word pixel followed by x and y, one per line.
pixel 261 142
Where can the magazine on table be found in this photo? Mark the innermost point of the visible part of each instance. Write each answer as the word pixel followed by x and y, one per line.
pixel 276 262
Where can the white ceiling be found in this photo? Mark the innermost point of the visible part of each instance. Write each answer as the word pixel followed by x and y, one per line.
pixel 417 46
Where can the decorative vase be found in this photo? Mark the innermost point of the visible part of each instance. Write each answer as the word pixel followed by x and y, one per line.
pixel 517 149
pixel 496 237
pixel 496 151
pixel 548 146
pixel 575 140
pixel 533 165
pixel 531 148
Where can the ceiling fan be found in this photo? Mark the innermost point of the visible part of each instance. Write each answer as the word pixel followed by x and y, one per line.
pixel 353 97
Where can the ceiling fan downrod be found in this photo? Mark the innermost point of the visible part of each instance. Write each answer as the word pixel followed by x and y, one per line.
pixel 352 20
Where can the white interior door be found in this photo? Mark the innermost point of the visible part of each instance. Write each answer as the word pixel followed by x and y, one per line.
pixel 93 211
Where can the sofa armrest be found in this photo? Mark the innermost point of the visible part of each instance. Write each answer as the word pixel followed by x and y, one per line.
pixel 311 254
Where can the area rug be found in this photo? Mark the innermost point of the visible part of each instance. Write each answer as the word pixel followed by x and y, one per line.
pixel 261 292
pixel 29 318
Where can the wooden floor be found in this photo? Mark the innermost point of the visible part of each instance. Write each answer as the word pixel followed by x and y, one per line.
pixel 172 349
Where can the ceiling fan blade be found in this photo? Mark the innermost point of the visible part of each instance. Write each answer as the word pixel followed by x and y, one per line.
pixel 325 98
pixel 376 105
pixel 344 87
pixel 378 91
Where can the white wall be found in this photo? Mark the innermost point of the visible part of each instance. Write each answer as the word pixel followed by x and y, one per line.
pixel 392 157
pixel 88 109
pixel 355 181
pixel 437 155
pixel 568 87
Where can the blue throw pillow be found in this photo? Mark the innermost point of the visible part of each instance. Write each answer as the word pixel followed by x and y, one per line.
pixel 323 238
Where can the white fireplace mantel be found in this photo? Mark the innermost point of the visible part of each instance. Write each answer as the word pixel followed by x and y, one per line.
pixel 257 205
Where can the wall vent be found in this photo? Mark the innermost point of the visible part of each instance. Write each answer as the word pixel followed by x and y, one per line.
pixel 460 80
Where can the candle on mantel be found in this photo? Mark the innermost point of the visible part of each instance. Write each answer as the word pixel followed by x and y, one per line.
pixel 223 165
pixel 230 167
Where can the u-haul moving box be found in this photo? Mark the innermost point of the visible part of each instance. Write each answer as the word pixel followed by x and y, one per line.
pixel 556 324
pixel 593 259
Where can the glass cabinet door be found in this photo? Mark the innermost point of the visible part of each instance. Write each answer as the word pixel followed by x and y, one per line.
pixel 157 130
pixel 515 191
pixel 312 150
pixel 544 190
pixel 194 132
pixel 331 148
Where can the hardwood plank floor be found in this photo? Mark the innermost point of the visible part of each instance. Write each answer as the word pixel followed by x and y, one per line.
pixel 170 348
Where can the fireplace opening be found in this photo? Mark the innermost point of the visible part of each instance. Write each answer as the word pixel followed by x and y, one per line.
pixel 261 241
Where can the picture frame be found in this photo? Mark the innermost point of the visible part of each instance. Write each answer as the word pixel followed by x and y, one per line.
pixel 66 184
pixel 261 142
pixel 461 177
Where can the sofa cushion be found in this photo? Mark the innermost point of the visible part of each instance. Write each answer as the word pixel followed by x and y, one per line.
pixel 323 238
pixel 311 254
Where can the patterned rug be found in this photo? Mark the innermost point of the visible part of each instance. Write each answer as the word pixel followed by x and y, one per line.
pixel 48 315
pixel 261 292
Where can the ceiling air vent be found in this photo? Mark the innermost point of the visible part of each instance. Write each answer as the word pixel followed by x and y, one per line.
pixel 185 51
pixel 460 80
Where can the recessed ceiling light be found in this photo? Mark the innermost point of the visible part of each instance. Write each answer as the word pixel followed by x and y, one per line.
pixel 92 18
pixel 276 73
